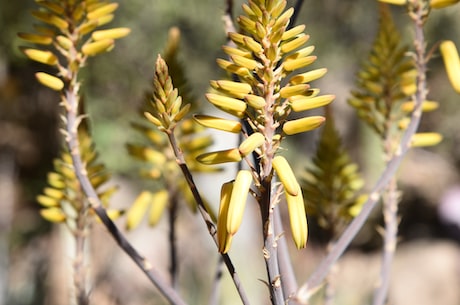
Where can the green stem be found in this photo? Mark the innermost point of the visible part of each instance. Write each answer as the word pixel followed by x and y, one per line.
pixel 390 215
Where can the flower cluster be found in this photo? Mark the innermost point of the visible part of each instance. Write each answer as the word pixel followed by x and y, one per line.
pixel 264 60
pixel 70 35
pixel 386 85
pixel 63 199
pixel 164 108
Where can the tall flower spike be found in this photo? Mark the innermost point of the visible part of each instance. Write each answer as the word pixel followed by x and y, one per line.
pixel 267 64
pixel 386 83
pixel 164 106
pixel 63 42
pixel 167 103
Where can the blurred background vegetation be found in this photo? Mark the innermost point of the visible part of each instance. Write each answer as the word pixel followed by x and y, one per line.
pixel 114 85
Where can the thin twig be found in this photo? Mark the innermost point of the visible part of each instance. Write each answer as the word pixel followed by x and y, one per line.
pixel 288 279
pixel 353 228
pixel 215 291
pixel 267 204
pixel 79 262
pixel 71 137
pixel 390 214
pixel 205 215
pixel 174 266
pixel 391 200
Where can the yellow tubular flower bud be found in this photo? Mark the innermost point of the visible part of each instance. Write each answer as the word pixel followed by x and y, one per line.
pixel 64 42
pixel 299 63
pixel 255 101
pixel 113 214
pixel 248 10
pixel 50 81
pixel 304 52
pixel 293 32
pixel 278 8
pixel 138 210
pixel 442 3
pixel 284 18
pixel 297 219
pixel 104 20
pixel 246 23
pixel 236 88
pixel 251 143
pixel 44 57
pixel 395 2
pixel 56 181
pixel 427 106
pixel 245 62
pixel 182 113
pixel 307 76
pixel 286 175
pixel 226 102
pixel 53 193
pixel 47 201
pixel 303 125
pixel 233 68
pixel 234 51
pixel 51 6
pixel 307 103
pixel 224 239
pixel 296 43
pixel 97 47
pixel 111 34
pixel 87 27
pixel 102 11
pixel 237 38
pixel 153 119
pixel 159 203
pixel 218 123
pixel 289 91
pixel 35 38
pixel 222 156
pixel 426 139
pixel 238 199
pixel 53 214
pixel 252 45
pixel 51 19
pixel 451 62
